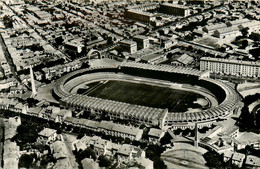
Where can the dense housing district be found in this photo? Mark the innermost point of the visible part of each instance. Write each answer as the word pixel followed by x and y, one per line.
pixel 94 84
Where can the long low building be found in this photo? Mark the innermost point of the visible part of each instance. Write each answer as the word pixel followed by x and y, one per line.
pixel 120 130
pixel 108 127
pixel 165 68
pixel 230 67
pixel 139 15
pixel 173 9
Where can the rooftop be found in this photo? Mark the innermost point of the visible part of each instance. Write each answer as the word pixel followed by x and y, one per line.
pixel 252 161
pixel 145 162
pixel 238 157
pixel 59 149
pixel 141 37
pixel 228 153
pixel 228 30
pixel 215 26
pixel 129 42
pixel 151 57
pixel 120 128
pixel 155 132
pixel 185 59
pixel 241 62
pixel 175 5
pixel 141 12
pixel 243 138
pixel 88 163
pixel 47 132
pixel 63 163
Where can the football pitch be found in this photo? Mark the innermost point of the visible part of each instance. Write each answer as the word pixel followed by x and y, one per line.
pixel 143 94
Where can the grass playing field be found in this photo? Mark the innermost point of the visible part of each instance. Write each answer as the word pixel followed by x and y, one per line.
pixel 142 94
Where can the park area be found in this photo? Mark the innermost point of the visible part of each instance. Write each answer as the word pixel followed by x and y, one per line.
pixel 143 94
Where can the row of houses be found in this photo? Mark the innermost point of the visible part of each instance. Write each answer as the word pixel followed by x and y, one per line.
pixel 231 28
pixel 62 115
pixel 107 127
pixel 14 43
pixel 50 137
pixel 231 139
pixel 6 83
pixel 59 115
pixel 240 159
pixel 58 70
pixel 125 152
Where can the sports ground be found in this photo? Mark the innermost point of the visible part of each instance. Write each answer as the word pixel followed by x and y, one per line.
pixel 143 94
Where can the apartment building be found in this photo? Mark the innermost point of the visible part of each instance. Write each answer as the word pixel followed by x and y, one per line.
pixel 230 67
pixel 174 9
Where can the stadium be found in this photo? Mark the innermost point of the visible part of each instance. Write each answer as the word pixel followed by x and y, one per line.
pixel 158 95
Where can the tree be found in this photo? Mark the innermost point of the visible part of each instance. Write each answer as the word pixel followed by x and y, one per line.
pixel 59 40
pixel 258 119
pixel 159 164
pixel 105 116
pixel 255 36
pixel 110 41
pixel 169 55
pixel 88 153
pixel 255 53
pixel 8 21
pixel 244 31
pixel 142 126
pixel 244 44
pixel 246 117
pixel 104 161
pixel 26 160
pixel 239 38
pixel 186 132
pixel 204 129
pixel 178 131
pixel 85 65
pixel 127 141
pixel 154 152
pixel 213 159
pixel 166 139
pixel 80 135
pixel 28 132
pixel 31 102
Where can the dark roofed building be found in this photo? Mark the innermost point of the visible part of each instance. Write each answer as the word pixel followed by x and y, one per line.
pixel 173 9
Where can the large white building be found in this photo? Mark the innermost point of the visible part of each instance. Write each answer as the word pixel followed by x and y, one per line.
pixel 230 67
pixel 227 32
